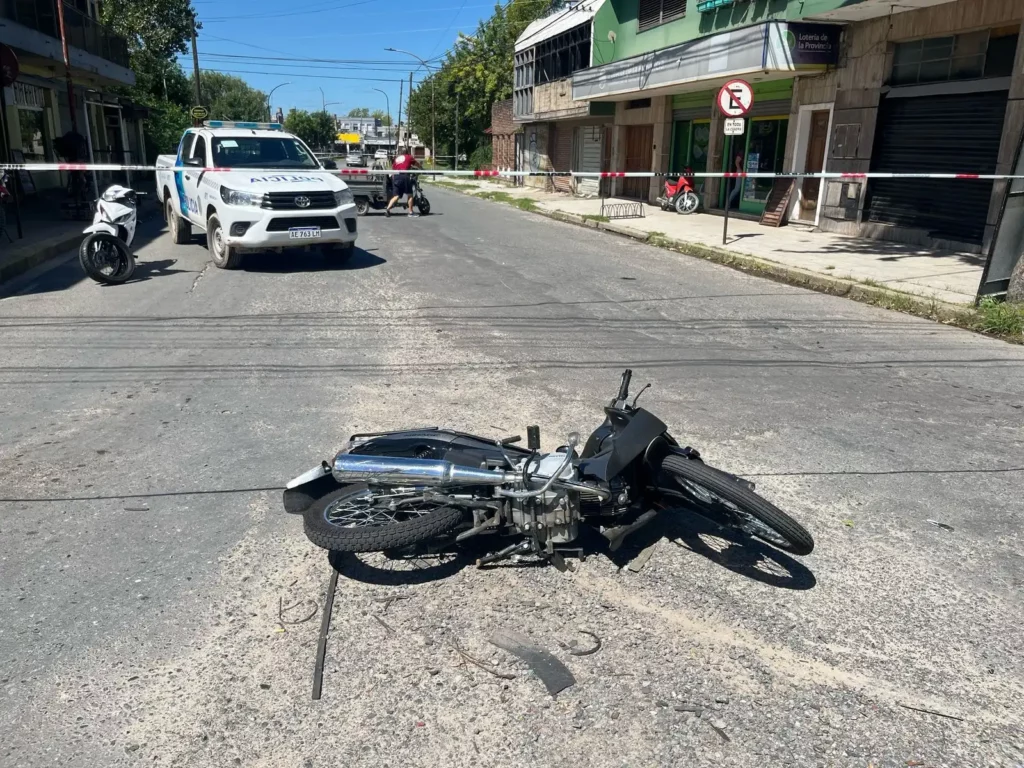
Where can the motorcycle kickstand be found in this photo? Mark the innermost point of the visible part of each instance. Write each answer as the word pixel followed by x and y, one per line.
pixel 503 554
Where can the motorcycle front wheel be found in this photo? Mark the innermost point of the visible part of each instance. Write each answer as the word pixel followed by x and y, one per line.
pixel 360 518
pixel 106 259
pixel 735 505
pixel 687 202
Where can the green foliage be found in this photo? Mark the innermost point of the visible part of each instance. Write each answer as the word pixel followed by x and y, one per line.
pixel 230 98
pixel 359 112
pixel 314 128
pixel 1001 318
pixel 160 28
pixel 481 157
pixel 477 72
pixel 381 115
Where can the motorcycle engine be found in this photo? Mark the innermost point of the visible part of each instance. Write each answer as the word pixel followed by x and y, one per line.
pixel 553 517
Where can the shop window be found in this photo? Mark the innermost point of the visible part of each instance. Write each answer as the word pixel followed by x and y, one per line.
pixel 651 13
pixel 988 53
pixel 638 104
pixel 34 136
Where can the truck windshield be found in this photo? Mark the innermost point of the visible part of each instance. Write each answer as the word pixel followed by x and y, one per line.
pixel 260 152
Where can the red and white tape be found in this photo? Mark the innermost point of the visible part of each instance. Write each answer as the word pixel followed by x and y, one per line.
pixel 513 174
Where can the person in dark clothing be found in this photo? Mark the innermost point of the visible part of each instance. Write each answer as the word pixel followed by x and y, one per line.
pixel 404 184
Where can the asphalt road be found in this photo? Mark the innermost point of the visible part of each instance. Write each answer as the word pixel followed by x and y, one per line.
pixel 144 566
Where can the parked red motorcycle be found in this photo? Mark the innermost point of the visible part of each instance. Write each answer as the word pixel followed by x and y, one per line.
pixel 680 195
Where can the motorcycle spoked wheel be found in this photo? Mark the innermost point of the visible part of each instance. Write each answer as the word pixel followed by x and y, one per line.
pixel 361 518
pixel 423 205
pixel 106 259
pixel 734 505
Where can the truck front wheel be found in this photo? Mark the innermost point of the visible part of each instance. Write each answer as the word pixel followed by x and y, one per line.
pixel 181 230
pixel 222 254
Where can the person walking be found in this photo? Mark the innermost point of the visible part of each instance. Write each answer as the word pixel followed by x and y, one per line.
pixel 403 184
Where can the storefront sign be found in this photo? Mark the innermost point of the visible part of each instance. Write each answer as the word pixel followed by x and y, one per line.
pixel 199 113
pixel 753 166
pixel 26 95
pixel 349 138
pixel 812 45
pixel 734 126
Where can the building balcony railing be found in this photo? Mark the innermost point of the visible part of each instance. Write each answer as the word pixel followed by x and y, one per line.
pixel 83 31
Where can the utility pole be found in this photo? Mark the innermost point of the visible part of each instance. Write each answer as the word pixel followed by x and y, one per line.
pixel 67 67
pixel 397 135
pixel 408 113
pixel 195 66
pixel 456 130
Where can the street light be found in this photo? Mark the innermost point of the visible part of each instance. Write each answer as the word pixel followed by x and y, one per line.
pixel 388 102
pixel 433 133
pixel 270 114
pixel 323 98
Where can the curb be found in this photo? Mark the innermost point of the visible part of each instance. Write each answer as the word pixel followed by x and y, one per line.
pixel 931 309
pixel 44 251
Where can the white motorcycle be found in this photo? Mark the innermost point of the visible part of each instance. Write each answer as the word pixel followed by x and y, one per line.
pixel 106 254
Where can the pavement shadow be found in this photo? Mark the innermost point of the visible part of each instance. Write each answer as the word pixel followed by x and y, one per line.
pixel 308 261
pixel 401 568
pixel 725 546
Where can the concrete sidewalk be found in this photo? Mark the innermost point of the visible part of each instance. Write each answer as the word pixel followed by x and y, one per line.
pixel 944 276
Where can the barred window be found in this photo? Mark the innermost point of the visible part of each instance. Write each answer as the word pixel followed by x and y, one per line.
pixel 654 12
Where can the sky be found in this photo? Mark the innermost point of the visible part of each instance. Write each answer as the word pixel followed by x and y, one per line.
pixel 259 40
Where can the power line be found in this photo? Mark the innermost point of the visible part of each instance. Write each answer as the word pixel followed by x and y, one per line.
pixel 285 15
pixel 441 38
pixel 307 76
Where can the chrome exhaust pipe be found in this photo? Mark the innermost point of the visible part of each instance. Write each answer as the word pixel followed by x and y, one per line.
pixel 386 470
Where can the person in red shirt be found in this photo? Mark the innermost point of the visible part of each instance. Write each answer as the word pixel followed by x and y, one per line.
pixel 403 182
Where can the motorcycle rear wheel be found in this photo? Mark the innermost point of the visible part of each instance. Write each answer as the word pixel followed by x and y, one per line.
pixel 743 509
pixel 106 259
pixel 358 518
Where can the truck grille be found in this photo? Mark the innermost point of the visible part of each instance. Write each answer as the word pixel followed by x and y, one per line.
pixel 285 201
pixel 283 225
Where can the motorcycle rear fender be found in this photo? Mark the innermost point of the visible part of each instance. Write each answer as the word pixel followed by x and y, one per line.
pixel 302 491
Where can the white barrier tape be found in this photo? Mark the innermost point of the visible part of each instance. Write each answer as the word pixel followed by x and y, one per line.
pixel 511 174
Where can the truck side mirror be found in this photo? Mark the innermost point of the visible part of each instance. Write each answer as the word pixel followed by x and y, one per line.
pixel 196 162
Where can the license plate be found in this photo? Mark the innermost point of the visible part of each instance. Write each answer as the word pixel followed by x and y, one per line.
pixel 304 233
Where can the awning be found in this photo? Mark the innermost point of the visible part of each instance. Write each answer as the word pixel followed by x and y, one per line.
pixel 772 50
pixel 544 29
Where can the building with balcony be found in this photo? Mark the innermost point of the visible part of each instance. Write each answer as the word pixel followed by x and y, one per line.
pixel 38 110
pixel 557 132
pixel 839 85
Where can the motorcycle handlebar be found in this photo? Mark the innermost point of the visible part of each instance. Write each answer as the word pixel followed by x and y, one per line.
pixel 627 375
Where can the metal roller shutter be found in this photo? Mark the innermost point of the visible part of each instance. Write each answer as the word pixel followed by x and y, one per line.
pixel 691 113
pixel 951 134
pixel 561 157
pixel 769 108
pixel 589 141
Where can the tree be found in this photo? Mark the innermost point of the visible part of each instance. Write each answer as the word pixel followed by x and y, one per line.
pixel 380 114
pixel 477 72
pixel 231 98
pixel 359 112
pixel 314 128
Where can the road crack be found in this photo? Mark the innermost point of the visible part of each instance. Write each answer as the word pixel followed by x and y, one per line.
pixel 199 277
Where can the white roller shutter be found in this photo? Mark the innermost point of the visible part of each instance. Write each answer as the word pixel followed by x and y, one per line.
pixel 588 141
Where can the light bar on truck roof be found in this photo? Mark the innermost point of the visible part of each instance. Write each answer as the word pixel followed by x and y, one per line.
pixel 243 126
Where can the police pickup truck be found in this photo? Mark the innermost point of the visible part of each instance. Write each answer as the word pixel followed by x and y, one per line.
pixel 272 195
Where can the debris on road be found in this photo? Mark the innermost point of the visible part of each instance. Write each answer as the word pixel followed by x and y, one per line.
pixel 281 610
pixel 937 524
pixel 321 646
pixel 719 730
pixel 552 672
pixel 637 563
pixel 571 647
pixel 388 627
pixel 482 665
pixel 390 600
pixel 137 508
pixel 696 709
pixel 932 712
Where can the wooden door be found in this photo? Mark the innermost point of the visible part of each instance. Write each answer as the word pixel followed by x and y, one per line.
pixel 639 149
pixel 814 163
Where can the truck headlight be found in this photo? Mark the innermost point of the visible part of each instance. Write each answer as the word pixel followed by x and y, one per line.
pixel 235 197
pixel 344 197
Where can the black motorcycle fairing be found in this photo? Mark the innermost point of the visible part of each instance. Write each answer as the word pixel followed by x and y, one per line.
pixel 623 437
pixel 457 447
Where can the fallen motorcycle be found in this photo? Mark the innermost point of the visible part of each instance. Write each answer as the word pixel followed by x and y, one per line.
pixel 389 491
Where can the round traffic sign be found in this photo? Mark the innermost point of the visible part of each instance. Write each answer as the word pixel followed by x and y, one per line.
pixel 199 113
pixel 736 98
